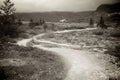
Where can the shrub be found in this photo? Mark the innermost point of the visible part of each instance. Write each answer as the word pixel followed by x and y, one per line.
pixel 98 32
pixel 115 33
pixel 42 21
pixel 45 26
pixel 4 39
pixel 114 50
pixel 19 22
pixel 7 39
pixel 22 28
pixel 32 32
pixel 73 27
pixel 113 78
pixel 24 35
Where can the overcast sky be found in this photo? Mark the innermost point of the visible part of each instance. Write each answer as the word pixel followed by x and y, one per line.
pixel 57 5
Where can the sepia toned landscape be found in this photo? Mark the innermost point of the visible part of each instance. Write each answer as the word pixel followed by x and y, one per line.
pixel 60 45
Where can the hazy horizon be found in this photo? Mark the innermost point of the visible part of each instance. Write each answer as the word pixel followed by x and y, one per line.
pixel 58 5
pixel 55 11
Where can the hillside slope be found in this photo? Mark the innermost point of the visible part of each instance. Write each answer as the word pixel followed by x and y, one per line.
pixel 110 8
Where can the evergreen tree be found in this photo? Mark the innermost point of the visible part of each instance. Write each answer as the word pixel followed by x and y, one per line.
pixel 8 27
pixel 31 23
pixel 101 23
pixel 91 22
pixel 8 12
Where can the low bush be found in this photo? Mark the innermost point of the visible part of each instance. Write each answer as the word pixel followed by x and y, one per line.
pixel 74 27
pixel 7 39
pixel 23 28
pixel 98 32
pixel 33 32
pixel 32 25
pixel 114 50
pixel 115 33
pixel 114 78
pixel 24 35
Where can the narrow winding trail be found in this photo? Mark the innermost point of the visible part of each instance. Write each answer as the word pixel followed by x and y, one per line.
pixel 82 64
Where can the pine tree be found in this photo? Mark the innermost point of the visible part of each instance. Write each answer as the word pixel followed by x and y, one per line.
pixel 101 23
pixel 8 27
pixel 31 23
pixel 91 22
pixel 8 11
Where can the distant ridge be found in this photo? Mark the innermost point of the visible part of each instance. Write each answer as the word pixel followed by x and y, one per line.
pixel 56 16
pixel 109 8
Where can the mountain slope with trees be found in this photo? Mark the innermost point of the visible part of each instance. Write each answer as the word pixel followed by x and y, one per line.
pixel 110 8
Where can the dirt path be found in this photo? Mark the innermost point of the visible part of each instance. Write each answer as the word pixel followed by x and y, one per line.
pixel 82 64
